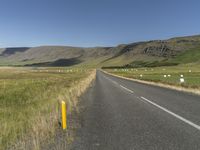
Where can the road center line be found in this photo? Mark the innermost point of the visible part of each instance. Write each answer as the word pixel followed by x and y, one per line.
pixel 126 89
pixel 173 114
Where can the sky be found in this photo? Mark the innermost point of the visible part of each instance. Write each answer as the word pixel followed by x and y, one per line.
pixel 88 23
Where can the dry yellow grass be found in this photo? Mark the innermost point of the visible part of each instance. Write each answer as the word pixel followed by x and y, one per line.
pixel 29 103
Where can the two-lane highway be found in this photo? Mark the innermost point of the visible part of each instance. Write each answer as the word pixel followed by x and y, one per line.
pixel 124 115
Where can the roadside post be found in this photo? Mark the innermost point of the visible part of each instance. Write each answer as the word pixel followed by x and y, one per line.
pixel 182 79
pixel 64 115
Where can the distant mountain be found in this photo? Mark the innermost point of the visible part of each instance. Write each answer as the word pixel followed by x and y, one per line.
pixel 148 53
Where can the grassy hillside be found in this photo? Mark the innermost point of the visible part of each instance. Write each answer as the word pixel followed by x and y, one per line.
pixel 192 55
pixel 141 54
pixel 159 53
pixel 188 56
pixel 52 56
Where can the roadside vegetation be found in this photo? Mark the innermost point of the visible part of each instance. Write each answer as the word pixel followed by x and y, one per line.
pixel 29 102
pixel 166 74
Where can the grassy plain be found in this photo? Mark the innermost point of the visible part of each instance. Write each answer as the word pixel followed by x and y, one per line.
pixel 29 102
pixel 167 74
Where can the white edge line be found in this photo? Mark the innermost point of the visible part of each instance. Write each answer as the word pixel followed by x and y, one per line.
pixel 126 89
pixel 173 114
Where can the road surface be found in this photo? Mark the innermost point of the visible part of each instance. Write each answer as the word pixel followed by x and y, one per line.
pixel 125 115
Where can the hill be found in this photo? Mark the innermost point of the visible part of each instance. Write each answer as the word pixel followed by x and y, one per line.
pixel 148 53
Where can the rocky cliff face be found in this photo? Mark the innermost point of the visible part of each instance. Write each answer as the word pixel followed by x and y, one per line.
pixel 161 50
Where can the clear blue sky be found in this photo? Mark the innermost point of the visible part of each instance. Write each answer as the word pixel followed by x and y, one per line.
pixel 95 22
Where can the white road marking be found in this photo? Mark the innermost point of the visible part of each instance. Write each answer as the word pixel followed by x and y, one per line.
pixel 162 108
pixel 110 80
pixel 126 89
pixel 114 82
pixel 173 114
pixel 119 84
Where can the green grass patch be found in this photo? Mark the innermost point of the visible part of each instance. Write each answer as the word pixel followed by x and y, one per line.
pixel 189 56
pixel 190 72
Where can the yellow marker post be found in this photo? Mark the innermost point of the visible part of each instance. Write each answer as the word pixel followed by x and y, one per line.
pixel 64 115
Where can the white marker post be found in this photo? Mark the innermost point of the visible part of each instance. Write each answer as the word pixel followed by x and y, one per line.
pixel 182 80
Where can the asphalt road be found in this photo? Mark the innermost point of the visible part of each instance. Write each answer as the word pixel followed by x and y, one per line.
pixel 126 115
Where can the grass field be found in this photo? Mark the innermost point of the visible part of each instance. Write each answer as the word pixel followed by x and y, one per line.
pixel 168 75
pixel 29 101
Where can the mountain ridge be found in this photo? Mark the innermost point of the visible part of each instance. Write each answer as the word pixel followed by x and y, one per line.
pixel 121 55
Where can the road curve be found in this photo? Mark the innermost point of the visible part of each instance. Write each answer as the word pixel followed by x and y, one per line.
pixel 125 115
